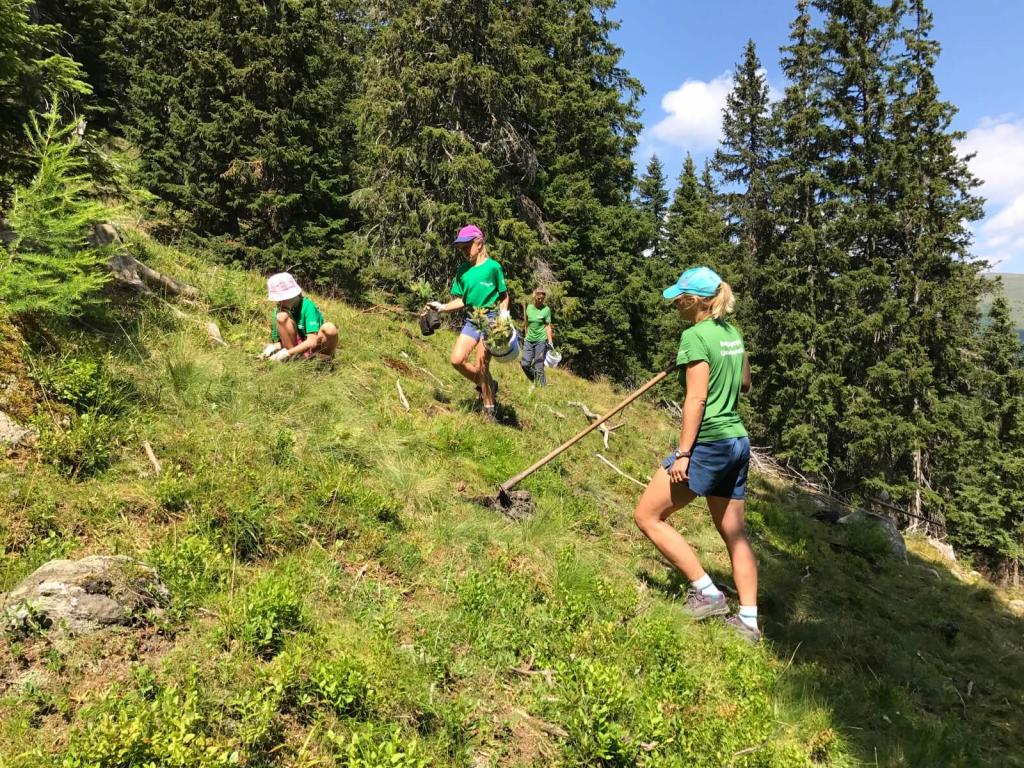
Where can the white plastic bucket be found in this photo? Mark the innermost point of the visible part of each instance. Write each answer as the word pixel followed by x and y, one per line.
pixel 510 353
pixel 552 358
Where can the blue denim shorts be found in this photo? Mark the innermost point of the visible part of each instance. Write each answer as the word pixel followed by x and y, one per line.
pixel 718 468
pixel 468 329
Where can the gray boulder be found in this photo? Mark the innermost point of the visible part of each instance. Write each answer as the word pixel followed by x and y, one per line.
pixel 13 435
pixel 82 596
pixel 892 534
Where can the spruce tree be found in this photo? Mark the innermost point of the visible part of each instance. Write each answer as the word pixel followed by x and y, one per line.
pixel 696 232
pixel 241 110
pixel 791 286
pixel 652 200
pixel 986 516
pixel 94 33
pixel 51 267
pixel 30 73
pixel 745 153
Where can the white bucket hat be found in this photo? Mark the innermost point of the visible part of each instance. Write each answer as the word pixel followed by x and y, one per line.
pixel 281 287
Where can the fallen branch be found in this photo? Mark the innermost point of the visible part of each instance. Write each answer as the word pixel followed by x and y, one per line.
pixel 152 457
pixel 555 413
pixel 548 728
pixel 131 273
pixel 604 429
pixel 628 477
pixel 401 395
pixel 527 670
pixel 756 747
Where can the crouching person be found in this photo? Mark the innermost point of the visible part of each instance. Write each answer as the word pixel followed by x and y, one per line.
pixel 298 329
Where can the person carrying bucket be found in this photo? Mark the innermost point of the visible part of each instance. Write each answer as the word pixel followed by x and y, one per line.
pixel 713 450
pixel 298 329
pixel 479 284
pixel 539 338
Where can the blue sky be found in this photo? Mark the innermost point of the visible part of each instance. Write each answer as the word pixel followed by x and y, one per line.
pixel 683 52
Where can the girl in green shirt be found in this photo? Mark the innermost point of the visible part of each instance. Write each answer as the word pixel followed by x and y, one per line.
pixel 479 284
pixel 713 450
pixel 538 338
pixel 298 329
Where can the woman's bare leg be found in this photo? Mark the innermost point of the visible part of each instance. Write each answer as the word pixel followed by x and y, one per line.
pixel 483 364
pixel 460 358
pixel 728 517
pixel 659 500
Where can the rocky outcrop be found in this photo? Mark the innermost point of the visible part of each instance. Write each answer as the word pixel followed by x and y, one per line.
pixel 892 534
pixel 13 435
pixel 82 596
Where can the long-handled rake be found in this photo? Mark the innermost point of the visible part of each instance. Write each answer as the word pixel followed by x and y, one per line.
pixel 503 490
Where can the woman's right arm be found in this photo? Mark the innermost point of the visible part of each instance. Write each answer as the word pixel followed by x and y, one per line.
pixel 745 383
pixel 453 305
pixel 698 375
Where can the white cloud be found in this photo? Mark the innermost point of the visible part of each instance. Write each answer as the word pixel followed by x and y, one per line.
pixel 694 119
pixel 998 145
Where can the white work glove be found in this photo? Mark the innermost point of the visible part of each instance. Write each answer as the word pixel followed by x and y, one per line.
pixel 269 350
pixel 436 305
pixel 281 356
pixel 504 314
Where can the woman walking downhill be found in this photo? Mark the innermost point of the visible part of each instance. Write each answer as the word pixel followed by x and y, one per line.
pixel 479 284
pixel 713 450
pixel 539 338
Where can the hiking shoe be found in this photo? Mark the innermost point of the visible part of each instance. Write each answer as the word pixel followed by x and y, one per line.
pixel 700 607
pixel 749 634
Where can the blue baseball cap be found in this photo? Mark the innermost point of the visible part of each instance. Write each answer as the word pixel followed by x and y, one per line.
pixel 697 281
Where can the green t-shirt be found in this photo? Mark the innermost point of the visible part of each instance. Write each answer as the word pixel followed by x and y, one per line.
pixel 479 286
pixel 307 317
pixel 720 344
pixel 536 320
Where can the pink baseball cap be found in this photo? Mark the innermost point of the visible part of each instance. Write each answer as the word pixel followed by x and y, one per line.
pixel 281 287
pixel 469 233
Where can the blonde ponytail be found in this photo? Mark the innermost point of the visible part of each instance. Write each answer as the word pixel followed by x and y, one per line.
pixel 723 302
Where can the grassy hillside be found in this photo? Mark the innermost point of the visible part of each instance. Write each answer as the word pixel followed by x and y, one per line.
pixel 340 598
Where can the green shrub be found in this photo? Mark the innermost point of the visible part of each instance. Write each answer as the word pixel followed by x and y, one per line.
pixel 191 568
pixel 270 610
pixel 170 729
pixel 86 384
pixel 342 685
pixel 374 747
pixel 86 447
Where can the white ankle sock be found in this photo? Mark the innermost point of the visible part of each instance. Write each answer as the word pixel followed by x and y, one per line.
pixel 748 615
pixel 706 587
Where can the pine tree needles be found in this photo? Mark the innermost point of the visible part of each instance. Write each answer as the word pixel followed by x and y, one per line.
pixel 51 267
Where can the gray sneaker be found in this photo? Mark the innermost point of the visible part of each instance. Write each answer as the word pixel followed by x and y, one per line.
pixel 700 607
pixel 749 634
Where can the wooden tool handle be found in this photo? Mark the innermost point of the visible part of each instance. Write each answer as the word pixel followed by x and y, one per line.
pixel 513 481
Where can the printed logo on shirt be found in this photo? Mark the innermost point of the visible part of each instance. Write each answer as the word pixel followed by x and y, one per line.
pixel 729 348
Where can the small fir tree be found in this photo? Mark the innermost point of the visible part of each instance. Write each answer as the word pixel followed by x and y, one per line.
pixel 51 267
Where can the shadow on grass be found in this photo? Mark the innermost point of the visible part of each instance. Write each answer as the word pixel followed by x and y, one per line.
pixel 917 667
